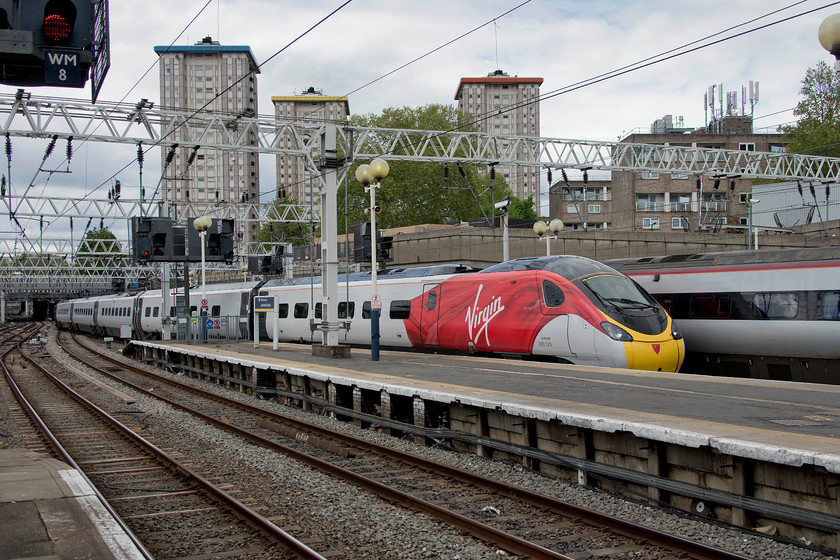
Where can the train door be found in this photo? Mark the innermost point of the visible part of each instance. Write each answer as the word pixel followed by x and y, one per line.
pixel 429 310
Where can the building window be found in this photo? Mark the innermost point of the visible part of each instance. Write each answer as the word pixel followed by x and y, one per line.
pixel 650 175
pixel 650 223
pixel 646 202
pixel 746 147
pixel 594 208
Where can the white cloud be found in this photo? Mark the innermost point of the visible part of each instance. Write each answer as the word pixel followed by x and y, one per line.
pixel 562 42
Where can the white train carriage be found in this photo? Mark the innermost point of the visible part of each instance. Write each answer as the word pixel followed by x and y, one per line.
pixel 299 303
pixel 63 310
pixel 223 300
pixel 114 313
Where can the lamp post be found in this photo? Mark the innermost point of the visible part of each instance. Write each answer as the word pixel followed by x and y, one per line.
pixel 555 226
pixel 829 36
pixel 201 225
pixel 371 176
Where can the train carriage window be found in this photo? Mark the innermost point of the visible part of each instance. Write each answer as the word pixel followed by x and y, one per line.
pixel 318 311
pixel 343 307
pixel 156 312
pixel 775 305
pixel 172 311
pixel 283 310
pixel 431 300
pixel 193 309
pixel 552 294
pixel 301 310
pixel 400 309
pixel 216 310
pixel 148 312
pixel 366 310
pixel 830 305
pixel 710 306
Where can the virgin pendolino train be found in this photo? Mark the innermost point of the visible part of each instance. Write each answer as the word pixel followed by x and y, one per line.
pixel 565 308
pixel 769 314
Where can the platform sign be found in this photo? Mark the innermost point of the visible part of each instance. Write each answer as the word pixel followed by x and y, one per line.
pixel 264 303
pixel 376 302
pixel 209 323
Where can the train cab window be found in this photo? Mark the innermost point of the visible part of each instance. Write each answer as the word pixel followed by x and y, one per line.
pixel 400 309
pixel 431 300
pixel 216 310
pixel 710 306
pixel 283 310
pixel 301 310
pixel 343 308
pixel 148 312
pixel 552 294
pixel 830 305
pixel 775 305
pixel 156 312
pixel 318 311
pixel 366 310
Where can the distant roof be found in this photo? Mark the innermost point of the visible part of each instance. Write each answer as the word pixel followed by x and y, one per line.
pixel 205 47
pixel 309 97
pixel 496 78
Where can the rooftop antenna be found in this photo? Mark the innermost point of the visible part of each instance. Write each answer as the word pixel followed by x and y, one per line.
pixel 753 96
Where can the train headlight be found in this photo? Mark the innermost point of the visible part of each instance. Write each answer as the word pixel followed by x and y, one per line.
pixel 675 332
pixel 616 333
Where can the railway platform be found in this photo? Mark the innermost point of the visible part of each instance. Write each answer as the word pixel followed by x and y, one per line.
pixel 748 451
pixel 49 512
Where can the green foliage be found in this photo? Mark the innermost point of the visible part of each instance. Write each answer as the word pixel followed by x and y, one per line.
pixel 99 241
pixel 420 193
pixel 294 233
pixel 817 130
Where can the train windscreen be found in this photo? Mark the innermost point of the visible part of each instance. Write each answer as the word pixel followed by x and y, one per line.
pixel 623 300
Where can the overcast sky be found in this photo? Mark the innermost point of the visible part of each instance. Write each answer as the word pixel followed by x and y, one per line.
pixel 563 42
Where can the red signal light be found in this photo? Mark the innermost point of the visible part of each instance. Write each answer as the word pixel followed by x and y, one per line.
pixel 144 254
pixel 57 28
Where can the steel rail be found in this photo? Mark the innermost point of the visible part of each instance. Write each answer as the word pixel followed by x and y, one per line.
pixel 252 517
pixel 696 550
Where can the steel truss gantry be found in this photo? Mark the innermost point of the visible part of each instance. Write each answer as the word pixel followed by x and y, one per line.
pixel 23 115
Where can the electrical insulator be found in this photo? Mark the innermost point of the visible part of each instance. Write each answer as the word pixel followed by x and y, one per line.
pixel 492 172
pixel 51 146
pixel 698 183
pixel 69 149
pixel 716 185
pixel 446 171
pixel 140 154
pixel 550 180
pixel 8 147
pixel 585 176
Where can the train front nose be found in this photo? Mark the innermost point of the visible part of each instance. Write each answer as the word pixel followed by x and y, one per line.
pixel 664 354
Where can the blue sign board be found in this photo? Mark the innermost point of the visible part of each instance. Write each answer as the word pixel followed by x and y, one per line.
pixel 264 303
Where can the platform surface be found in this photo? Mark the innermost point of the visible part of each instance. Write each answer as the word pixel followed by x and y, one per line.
pixel 779 421
pixel 49 512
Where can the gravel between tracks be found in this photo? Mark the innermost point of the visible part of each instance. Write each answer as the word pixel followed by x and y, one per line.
pixel 347 520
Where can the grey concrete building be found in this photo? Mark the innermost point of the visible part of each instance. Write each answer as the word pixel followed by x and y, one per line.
pixel 310 107
pixel 211 77
pixel 509 106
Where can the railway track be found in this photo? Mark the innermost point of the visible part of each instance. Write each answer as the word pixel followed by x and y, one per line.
pixel 514 519
pixel 169 509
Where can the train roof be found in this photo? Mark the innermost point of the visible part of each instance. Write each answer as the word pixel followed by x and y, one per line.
pixel 567 266
pixel 413 272
pixel 762 256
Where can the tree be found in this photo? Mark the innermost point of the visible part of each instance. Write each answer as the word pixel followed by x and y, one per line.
pixel 421 193
pixel 100 249
pixel 817 130
pixel 290 232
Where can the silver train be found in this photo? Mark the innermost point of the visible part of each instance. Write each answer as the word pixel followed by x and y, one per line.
pixel 563 308
pixel 769 314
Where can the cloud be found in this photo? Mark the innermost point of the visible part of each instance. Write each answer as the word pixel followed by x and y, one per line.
pixel 564 42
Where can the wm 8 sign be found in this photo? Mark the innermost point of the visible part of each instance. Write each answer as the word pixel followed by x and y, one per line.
pixel 62 68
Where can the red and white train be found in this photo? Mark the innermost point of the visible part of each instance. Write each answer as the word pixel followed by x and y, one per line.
pixel 566 308
pixel 769 314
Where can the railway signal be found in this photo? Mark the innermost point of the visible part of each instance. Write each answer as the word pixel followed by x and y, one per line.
pixel 54 43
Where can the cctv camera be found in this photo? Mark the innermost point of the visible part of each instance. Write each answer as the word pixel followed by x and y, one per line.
pixel 504 203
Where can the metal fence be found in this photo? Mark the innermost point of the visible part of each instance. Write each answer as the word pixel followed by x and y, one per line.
pixel 212 328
